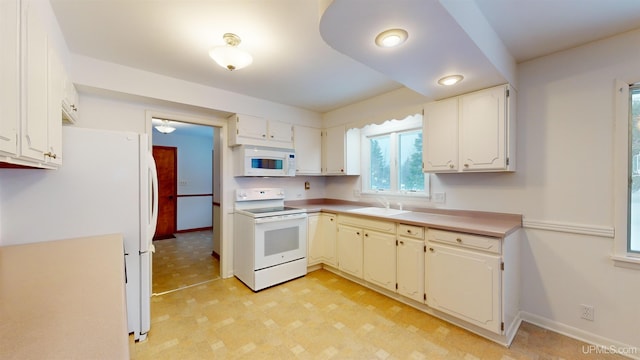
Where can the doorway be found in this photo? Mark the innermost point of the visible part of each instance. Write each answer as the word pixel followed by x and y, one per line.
pixel 184 160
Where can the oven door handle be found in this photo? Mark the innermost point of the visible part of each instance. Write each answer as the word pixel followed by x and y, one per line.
pixel 277 218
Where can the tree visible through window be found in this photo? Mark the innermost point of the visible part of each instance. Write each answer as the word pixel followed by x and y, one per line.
pixel 380 176
pixel 392 157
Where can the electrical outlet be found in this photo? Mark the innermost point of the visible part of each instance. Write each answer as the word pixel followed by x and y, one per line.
pixel 438 198
pixel 182 183
pixel 587 312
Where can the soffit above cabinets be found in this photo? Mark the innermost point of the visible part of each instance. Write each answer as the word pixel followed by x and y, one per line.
pixel 444 39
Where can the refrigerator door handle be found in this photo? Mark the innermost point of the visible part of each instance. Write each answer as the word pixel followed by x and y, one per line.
pixel 154 198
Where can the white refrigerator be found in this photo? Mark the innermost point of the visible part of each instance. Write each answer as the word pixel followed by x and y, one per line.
pixel 106 184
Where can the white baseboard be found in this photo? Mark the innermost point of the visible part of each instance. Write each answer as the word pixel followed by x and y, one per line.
pixel 602 343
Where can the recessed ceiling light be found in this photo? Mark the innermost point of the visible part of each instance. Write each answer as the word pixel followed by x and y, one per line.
pixel 391 38
pixel 450 80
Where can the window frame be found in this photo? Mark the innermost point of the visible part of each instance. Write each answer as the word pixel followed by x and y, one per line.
pixel 390 127
pixel 622 257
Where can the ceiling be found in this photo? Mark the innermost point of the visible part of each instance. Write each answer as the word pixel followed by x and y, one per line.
pixel 321 58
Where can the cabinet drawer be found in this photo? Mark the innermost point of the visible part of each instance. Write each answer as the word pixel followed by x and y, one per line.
pixel 412 231
pixel 372 224
pixel 478 242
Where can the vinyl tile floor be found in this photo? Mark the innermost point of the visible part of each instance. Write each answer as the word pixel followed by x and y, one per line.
pixel 321 316
pixel 184 261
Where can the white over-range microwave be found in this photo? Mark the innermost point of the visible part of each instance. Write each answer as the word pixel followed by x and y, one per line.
pixel 250 160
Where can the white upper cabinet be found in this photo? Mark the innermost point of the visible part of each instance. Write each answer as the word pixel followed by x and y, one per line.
pixel 307 142
pixel 440 129
pixel 254 130
pixel 9 76
pixel 70 102
pixel 471 132
pixel 35 118
pixel 31 86
pixel 341 151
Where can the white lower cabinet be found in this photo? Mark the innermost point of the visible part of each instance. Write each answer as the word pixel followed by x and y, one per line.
pixel 321 239
pixel 467 279
pixel 465 284
pixel 350 250
pixel 410 262
pixel 380 259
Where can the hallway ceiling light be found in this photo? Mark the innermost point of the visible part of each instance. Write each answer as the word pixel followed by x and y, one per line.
pixel 165 128
pixel 230 56
pixel 450 80
pixel 391 38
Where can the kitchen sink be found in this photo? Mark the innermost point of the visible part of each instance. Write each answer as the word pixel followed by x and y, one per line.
pixel 378 211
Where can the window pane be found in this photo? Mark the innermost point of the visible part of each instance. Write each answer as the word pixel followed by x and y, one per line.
pixel 634 169
pixel 410 175
pixel 380 176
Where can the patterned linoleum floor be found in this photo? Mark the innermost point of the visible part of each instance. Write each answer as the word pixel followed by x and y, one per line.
pixel 322 316
pixel 184 261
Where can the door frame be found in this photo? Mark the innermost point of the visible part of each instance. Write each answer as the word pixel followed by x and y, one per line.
pixel 215 119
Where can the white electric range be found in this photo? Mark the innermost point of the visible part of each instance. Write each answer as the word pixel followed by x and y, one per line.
pixel 270 239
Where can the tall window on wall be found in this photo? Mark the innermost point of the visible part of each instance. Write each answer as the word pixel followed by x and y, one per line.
pixel 633 242
pixel 392 158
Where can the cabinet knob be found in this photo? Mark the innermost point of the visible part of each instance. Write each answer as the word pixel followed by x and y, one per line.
pixel 73 107
pixel 272 136
pixel 51 155
pixel 366 235
pixel 466 165
pixel 264 135
pixel 401 242
pixel 330 219
pixel 408 231
pixel 458 240
pixel 431 249
pixel 357 232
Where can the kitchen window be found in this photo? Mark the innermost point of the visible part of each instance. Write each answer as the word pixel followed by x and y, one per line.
pixel 633 243
pixel 626 175
pixel 392 158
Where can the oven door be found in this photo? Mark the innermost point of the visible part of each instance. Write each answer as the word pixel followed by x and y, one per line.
pixel 280 239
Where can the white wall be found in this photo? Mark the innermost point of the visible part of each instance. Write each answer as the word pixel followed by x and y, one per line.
pixel 195 169
pixel 564 188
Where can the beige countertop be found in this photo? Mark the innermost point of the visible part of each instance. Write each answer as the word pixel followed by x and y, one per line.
pixel 474 222
pixel 63 300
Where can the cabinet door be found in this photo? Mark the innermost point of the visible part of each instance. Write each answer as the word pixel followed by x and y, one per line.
pixel 440 133
pixel 9 76
pixel 333 148
pixel 410 268
pixel 70 101
pixel 350 250
pixel 308 145
pixel 280 132
pixel 465 284
pixel 251 127
pixel 380 259
pixel 314 240
pixel 55 82
pixel 482 129
pixel 329 238
pixel 36 110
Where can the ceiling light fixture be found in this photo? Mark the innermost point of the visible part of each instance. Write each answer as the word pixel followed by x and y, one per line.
pixel 230 56
pixel 165 128
pixel 391 38
pixel 450 80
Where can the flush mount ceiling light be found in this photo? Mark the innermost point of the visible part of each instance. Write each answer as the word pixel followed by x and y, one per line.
pixel 165 128
pixel 230 56
pixel 450 80
pixel 391 38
